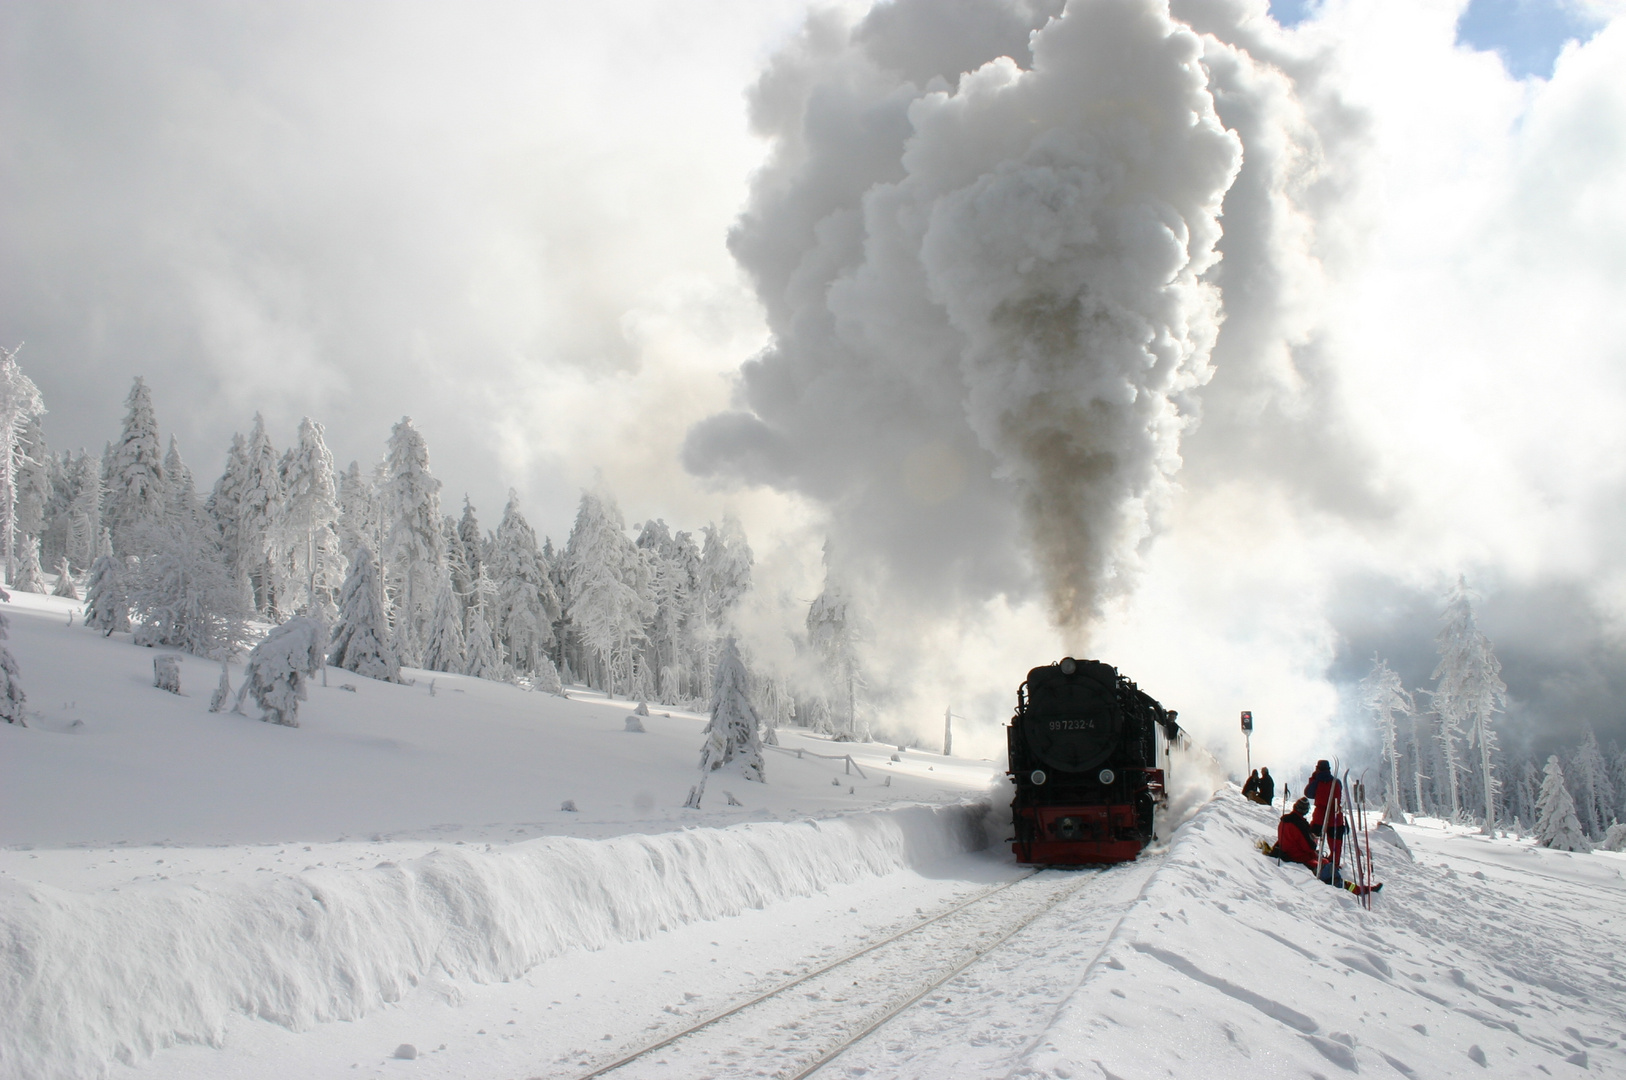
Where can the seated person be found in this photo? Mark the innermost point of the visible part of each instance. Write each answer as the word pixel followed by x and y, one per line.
pixel 1293 840
pixel 1266 790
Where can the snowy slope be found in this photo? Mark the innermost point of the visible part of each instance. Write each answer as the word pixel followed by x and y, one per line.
pixel 423 885
pixel 1482 957
pixel 168 868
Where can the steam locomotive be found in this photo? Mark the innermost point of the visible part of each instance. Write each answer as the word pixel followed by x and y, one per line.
pixel 1084 746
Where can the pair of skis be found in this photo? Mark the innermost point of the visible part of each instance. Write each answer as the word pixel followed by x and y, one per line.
pixel 1349 812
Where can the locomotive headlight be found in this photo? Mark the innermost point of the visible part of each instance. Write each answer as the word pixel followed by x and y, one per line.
pixel 1068 665
pixel 1107 776
pixel 1037 776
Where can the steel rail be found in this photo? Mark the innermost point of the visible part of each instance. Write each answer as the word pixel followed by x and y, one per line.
pixel 841 1048
pixel 815 973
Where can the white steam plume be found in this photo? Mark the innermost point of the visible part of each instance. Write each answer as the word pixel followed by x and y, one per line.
pixel 987 298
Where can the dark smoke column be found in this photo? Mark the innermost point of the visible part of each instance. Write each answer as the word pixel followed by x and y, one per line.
pixel 985 289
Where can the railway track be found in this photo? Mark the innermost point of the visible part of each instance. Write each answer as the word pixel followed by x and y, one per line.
pixel 797 1028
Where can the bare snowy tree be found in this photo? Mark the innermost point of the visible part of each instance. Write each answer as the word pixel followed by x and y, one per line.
pixel 181 592
pixel 1386 699
pixel 20 402
pixel 1469 691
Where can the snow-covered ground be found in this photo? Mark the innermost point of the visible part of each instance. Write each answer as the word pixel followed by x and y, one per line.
pixel 192 895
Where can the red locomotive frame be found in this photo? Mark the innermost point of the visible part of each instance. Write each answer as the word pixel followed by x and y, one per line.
pixel 1083 835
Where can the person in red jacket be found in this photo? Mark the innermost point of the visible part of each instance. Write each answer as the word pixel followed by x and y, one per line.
pixel 1293 840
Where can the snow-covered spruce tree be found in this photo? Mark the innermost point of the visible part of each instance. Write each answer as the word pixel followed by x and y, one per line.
pixel 279 666
pixel 457 565
pixel 20 402
pixel 673 594
pixel 65 586
pixel 1386 699
pixel 180 591
pixel 107 595
pixel 361 640
pixel 79 516
pixel 30 575
pixel 607 579
pixel 731 734
pixel 526 605
pixel 446 650
pixel 311 520
pixel 135 471
pixel 412 552
pixel 473 546
pixel 225 506
pixel 180 490
pixel 1556 824
pixel 1469 687
pixel 483 656
pixel 12 698
pixel 1594 790
pixel 259 521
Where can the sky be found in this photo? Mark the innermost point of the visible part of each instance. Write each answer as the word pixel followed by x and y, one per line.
pixel 940 292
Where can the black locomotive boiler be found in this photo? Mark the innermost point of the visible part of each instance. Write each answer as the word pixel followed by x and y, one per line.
pixel 1084 754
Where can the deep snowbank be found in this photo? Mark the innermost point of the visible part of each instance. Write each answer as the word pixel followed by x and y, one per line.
pixel 86 979
pixel 1480 958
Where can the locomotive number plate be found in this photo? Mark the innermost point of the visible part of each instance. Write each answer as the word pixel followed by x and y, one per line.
pixel 1071 725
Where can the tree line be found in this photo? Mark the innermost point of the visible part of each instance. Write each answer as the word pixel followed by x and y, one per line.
pixel 1441 749
pixel 641 613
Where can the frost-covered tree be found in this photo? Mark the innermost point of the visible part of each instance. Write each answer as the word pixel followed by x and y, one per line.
pixel 12 698
pixel 457 565
pixel 259 520
pixel 279 667
pixel 1594 789
pixel 412 549
pixel 446 650
pixel 468 535
pixel 834 633
pixel 361 640
pixel 33 479
pixel 1556 824
pixel 483 655
pixel 225 506
pixel 180 590
pixel 526 605
pixel 20 402
pixel 311 521
pixel 180 490
pixel 65 586
pixel 75 510
pixel 607 580
pixel 1385 697
pixel 30 575
pixel 732 732
pixel 361 510
pixel 135 471
pixel 1469 691
pixel 107 594
pixel 674 595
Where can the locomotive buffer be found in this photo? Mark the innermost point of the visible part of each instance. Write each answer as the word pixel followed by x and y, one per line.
pixel 1084 746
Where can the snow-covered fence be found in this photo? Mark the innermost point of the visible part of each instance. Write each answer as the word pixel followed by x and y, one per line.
pixel 89 979
pixel 852 766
